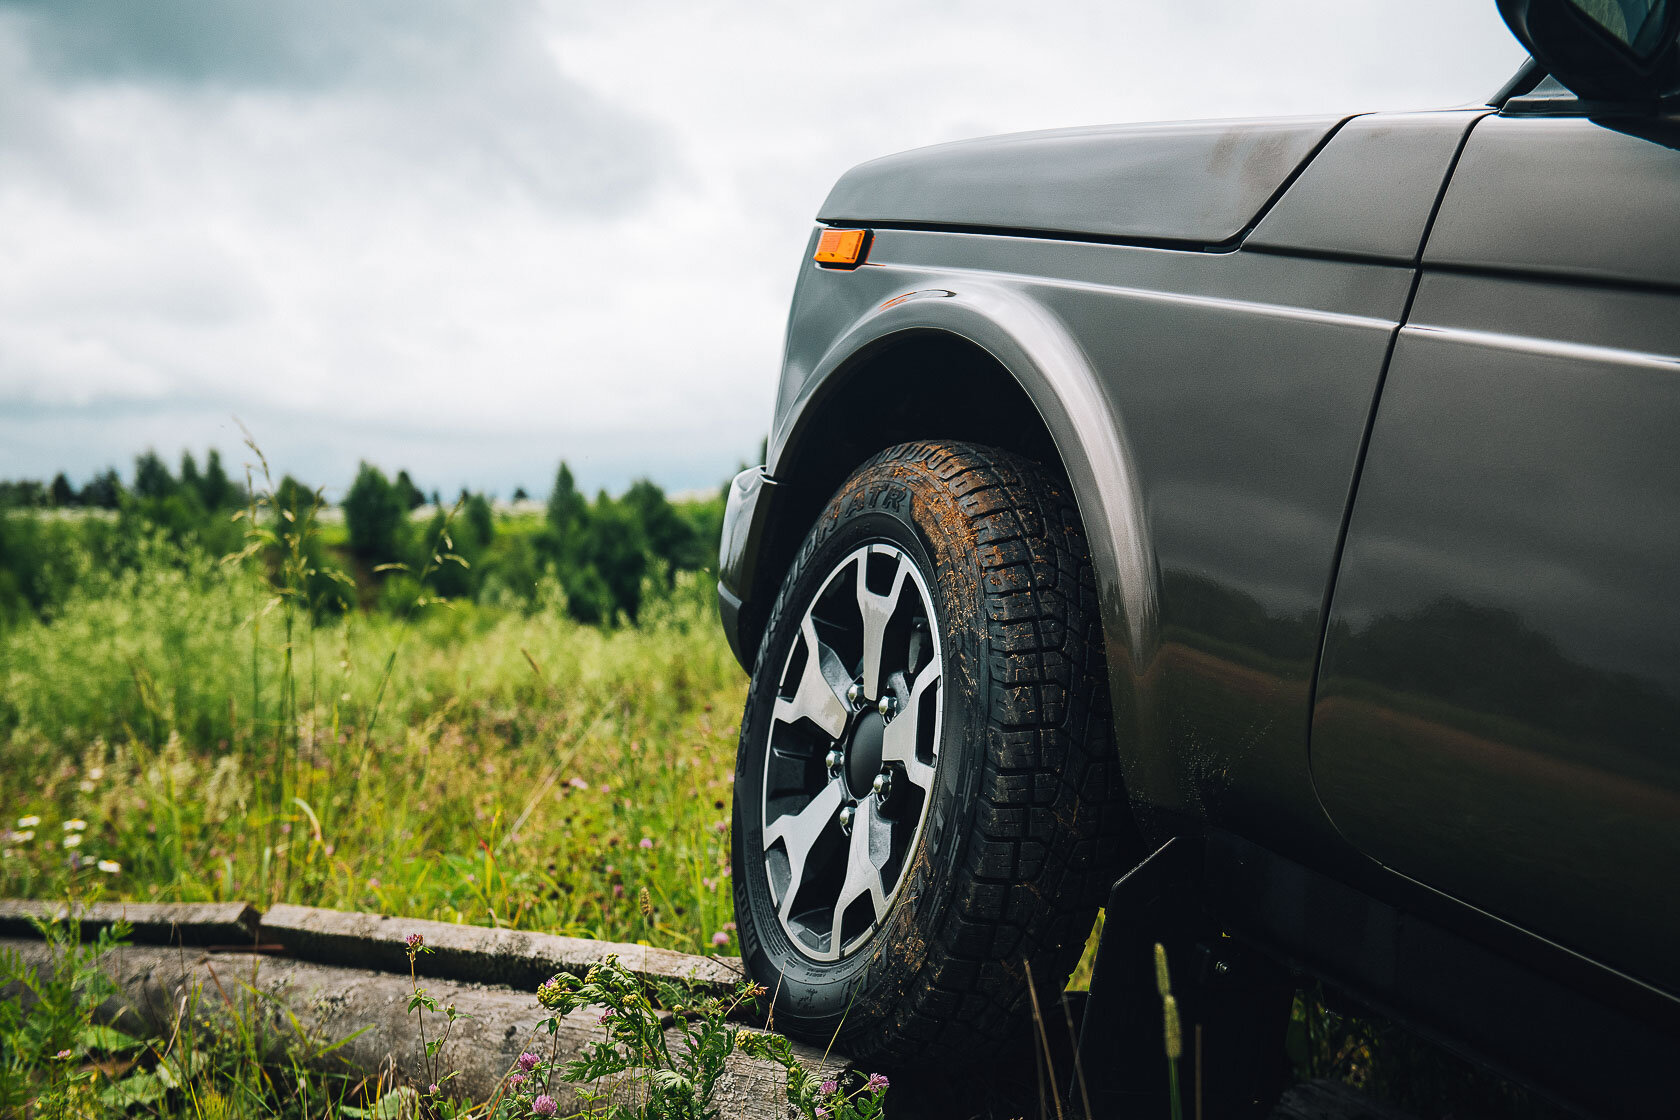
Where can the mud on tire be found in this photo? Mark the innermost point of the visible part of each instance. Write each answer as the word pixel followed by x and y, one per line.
pixel 1004 821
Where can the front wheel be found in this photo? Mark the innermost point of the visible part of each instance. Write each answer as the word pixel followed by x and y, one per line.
pixel 926 797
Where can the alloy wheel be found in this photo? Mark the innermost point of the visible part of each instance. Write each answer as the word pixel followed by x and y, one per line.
pixel 853 751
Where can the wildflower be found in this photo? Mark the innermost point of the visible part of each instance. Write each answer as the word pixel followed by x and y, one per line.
pixel 85 785
pixel 827 1088
pixel 607 1014
pixel 618 890
pixel 26 834
pixel 722 826
pixel 373 883
pixel 414 941
pixel 544 1105
pixel 709 884
pixel 647 842
pixel 73 840
pixel 877 1083
pixel 62 1055
pixel 577 783
pixel 75 824
pixel 528 1062
pixel 720 938
pixel 606 789
pixel 109 866
pixel 95 773
pixel 432 1089
pixel 516 1081
pixel 730 926
pixel 29 821
pixel 822 1113
pixel 550 993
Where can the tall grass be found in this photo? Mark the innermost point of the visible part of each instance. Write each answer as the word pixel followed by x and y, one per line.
pixel 494 765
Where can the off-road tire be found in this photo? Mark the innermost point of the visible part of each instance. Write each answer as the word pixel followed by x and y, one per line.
pixel 1026 827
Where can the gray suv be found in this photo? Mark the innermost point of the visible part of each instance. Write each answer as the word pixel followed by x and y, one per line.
pixel 1268 529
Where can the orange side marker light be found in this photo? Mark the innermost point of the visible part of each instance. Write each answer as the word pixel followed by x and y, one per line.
pixel 841 248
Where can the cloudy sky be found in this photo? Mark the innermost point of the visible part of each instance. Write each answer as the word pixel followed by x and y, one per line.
pixel 471 237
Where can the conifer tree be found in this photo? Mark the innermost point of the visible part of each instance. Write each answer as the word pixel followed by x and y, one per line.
pixel 190 479
pixel 151 477
pixel 103 490
pixel 408 493
pixel 215 488
pixel 568 514
pixel 375 515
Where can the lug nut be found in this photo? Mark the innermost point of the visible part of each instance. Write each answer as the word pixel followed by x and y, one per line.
pixel 888 706
pixel 848 813
pixel 882 785
pixel 834 759
pixel 854 695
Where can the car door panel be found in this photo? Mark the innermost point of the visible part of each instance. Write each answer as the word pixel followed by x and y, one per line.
pixel 1565 195
pixel 1498 712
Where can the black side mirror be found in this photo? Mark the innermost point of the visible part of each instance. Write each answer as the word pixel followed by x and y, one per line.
pixel 1603 50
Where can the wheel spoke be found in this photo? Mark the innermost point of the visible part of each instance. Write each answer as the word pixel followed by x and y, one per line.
pixel 871 840
pixel 898 740
pixel 839 843
pixel 819 696
pixel 877 611
pixel 799 833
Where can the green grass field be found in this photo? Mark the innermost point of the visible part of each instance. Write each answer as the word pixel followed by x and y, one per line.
pixel 492 765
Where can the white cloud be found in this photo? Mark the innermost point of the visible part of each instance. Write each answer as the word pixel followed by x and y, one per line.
pixel 469 238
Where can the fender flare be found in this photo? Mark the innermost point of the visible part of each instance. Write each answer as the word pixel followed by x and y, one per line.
pixel 1039 352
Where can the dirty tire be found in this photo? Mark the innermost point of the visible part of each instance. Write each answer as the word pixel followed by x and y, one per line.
pixel 1024 826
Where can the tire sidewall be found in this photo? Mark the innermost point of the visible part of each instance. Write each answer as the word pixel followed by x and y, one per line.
pixel 904 504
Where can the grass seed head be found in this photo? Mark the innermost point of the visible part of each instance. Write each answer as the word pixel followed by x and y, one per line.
pixel 1175 1037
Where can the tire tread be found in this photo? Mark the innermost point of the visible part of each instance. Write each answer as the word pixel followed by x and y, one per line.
pixel 1052 818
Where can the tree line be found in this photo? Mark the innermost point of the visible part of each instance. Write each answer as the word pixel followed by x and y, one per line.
pixel 604 553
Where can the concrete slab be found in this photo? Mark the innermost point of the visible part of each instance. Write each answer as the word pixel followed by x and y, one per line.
pixel 329 1003
pixel 155 923
pixel 517 958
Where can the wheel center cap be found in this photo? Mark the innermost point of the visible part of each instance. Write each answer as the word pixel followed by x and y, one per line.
pixel 863 753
